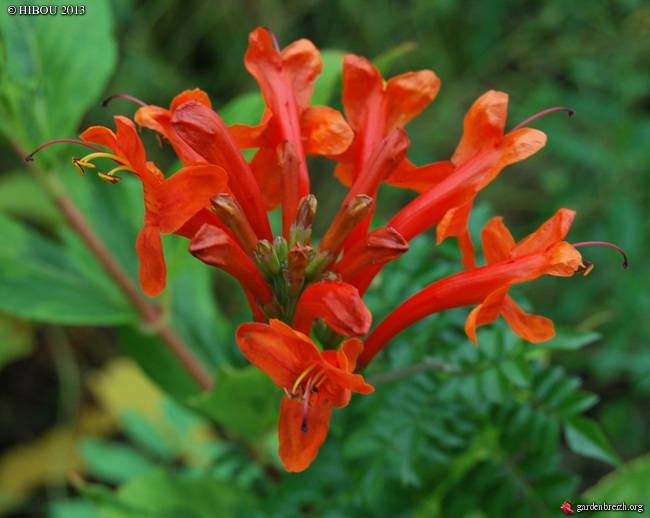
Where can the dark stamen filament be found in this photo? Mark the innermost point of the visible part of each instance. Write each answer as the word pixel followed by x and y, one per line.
pixel 604 243
pixel 30 157
pixel 569 111
pixel 123 96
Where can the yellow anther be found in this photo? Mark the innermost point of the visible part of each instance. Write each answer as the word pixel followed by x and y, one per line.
pixel 586 268
pixel 109 177
pixel 80 163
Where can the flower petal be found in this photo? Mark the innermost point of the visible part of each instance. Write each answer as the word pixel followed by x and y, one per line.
pixel 483 125
pixel 551 232
pixel 152 270
pixel 184 194
pixel 130 146
pixel 325 131
pixel 338 303
pixel 407 95
pixel 486 312
pixel 301 65
pixel 204 131
pixel 497 241
pixel 268 175
pixel 102 136
pixel 532 328
pixel 216 247
pixel 298 448
pixel 282 356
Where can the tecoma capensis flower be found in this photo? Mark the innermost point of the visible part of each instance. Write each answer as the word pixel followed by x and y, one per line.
pixel 169 203
pixel 314 382
pixel 286 79
pixel 304 291
pixel 542 253
pixel 159 119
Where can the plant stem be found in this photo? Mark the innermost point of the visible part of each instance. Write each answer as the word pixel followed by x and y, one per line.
pixel 148 311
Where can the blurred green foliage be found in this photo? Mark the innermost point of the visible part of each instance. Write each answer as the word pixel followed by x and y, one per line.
pixel 465 432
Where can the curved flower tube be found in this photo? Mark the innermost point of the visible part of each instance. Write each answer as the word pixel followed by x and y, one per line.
pixel 541 253
pixel 286 79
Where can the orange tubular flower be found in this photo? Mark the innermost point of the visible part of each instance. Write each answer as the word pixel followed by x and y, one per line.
pixel 374 108
pixel 314 382
pixel 483 152
pixel 200 128
pixel 171 205
pixel 542 252
pixel 159 119
pixel 286 79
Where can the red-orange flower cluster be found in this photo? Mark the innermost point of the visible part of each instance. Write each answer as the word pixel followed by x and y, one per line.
pixel 302 292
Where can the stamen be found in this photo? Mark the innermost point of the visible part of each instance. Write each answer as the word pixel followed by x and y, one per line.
pixel 302 376
pixel 79 163
pixel 569 111
pixel 585 268
pixel 109 177
pixel 30 157
pixel 123 96
pixel 602 243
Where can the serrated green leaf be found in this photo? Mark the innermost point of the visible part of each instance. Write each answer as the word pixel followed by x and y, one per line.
pixel 585 437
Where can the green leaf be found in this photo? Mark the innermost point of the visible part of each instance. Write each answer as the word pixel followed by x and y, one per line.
pixel 113 462
pixel 40 280
pixel 629 484
pixel 566 340
pixel 56 68
pixel 243 109
pixel 245 402
pixel 143 433
pixel 74 508
pixel 585 437
pixel 159 494
pixel 518 371
pixel 384 61
pixel 21 196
